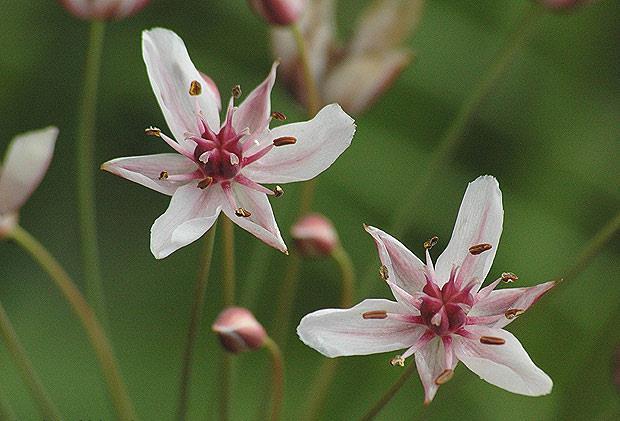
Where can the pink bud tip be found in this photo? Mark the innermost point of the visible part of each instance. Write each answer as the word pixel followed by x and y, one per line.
pixel 315 235
pixel 279 12
pixel 563 5
pixel 103 9
pixel 238 330
pixel 7 223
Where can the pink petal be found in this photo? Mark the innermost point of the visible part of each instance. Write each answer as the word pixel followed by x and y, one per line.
pixel 507 366
pixel 502 300
pixel 431 362
pixel 146 170
pixel 255 111
pixel 192 211
pixel 171 72
pixel 212 87
pixel 404 268
pixel 319 142
pixel 261 222
pixel 26 161
pixel 479 221
pixel 337 332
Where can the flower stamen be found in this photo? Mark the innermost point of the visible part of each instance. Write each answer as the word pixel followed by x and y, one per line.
pixel 243 213
pixel 480 248
pixel 163 175
pixel 204 183
pixel 284 140
pixel 430 243
pixel 278 191
pixel 444 377
pixel 384 272
pixel 236 91
pixel 513 312
pixel 492 340
pixel 195 88
pixel 397 360
pixel 509 277
pixel 375 314
pixel 277 115
pixel 152 131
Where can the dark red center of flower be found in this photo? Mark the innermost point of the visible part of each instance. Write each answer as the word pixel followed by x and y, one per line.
pixel 445 310
pixel 219 155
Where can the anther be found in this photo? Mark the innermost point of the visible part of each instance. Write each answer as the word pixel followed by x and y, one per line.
pixel 285 140
pixel 277 115
pixel 152 131
pixel 195 88
pixel 444 377
pixel 203 184
pixel 384 272
pixel 376 314
pixel 234 159
pixel 509 277
pixel 397 360
pixel 429 244
pixel 163 175
pixel 492 340
pixel 277 191
pixel 236 91
pixel 513 312
pixel 244 213
pixel 480 248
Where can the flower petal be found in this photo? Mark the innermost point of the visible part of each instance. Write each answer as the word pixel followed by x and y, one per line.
pixel 192 211
pixel 507 366
pixel 261 222
pixel 500 301
pixel 479 221
pixel 430 362
pixel 319 142
pixel 404 268
pixel 337 332
pixel 171 72
pixel 147 169
pixel 255 111
pixel 26 161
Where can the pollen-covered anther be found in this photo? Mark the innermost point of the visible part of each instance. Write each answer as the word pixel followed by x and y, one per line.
pixel 384 272
pixel 278 191
pixel 444 377
pixel 244 213
pixel 430 243
pixel 284 140
pixel 509 277
pixel 480 248
pixel 152 131
pixel 492 340
pixel 277 115
pixel 513 312
pixel 206 182
pixel 163 175
pixel 397 360
pixel 195 88
pixel 375 314
pixel 236 91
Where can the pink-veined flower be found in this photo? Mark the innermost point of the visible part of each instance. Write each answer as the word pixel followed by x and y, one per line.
pixel 103 9
pixel 220 167
pixel 26 161
pixel 441 315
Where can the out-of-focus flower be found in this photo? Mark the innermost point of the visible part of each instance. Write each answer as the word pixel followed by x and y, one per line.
pixel 24 166
pixel 315 235
pixel 218 168
pixel 279 12
pixel 441 315
pixel 238 330
pixel 564 5
pixel 103 9
pixel 357 74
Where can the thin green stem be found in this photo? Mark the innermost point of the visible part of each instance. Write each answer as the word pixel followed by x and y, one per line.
pixel 96 334
pixel 347 275
pixel 391 392
pixel 313 97
pixel 46 407
pixel 256 271
pixel 226 370
pixel 277 379
pixel 288 290
pixel 6 410
pixel 453 136
pixel 194 323
pixel 86 168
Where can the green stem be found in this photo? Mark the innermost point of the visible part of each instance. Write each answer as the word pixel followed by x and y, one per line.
pixel 86 171
pixel 256 271
pixel 313 97
pixel 194 323
pixel 277 379
pixel 453 136
pixel 87 317
pixel 347 275
pixel 391 392
pixel 288 290
pixel 6 410
pixel 29 375
pixel 226 370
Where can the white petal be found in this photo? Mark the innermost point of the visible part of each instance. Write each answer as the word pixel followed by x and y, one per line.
pixel 25 163
pixel 479 221
pixel 507 366
pixel 171 72
pixel 146 170
pixel 255 111
pixel 261 222
pixel 192 211
pixel 319 142
pixel 430 362
pixel 337 332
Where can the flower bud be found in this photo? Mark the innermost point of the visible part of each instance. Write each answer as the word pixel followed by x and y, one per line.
pixel 103 9
pixel 238 330
pixel 563 5
pixel 315 235
pixel 279 12
pixel 7 223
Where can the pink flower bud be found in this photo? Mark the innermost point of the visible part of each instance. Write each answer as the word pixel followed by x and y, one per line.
pixel 238 330
pixel 563 5
pixel 103 9
pixel 279 12
pixel 315 235
pixel 7 223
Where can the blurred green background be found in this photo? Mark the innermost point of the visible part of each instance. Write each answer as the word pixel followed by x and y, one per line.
pixel 549 132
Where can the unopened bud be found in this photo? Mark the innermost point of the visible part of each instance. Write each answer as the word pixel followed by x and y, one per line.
pixel 7 223
pixel 279 12
pixel 315 235
pixel 238 330
pixel 103 9
pixel 564 5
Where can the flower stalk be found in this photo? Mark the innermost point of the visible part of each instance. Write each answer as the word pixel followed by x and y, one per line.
pixel 390 393
pixel 277 378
